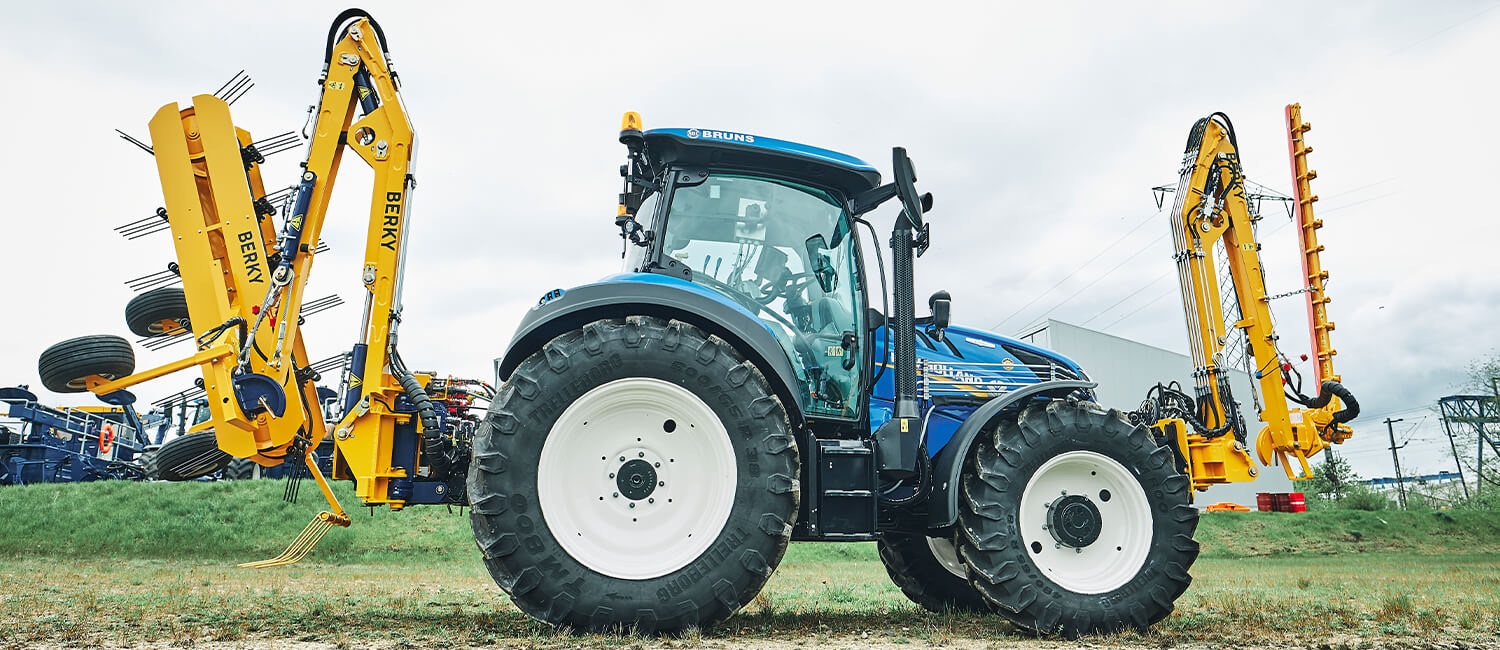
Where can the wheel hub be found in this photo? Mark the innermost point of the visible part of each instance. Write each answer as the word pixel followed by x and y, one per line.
pixel 636 479
pixel 1074 521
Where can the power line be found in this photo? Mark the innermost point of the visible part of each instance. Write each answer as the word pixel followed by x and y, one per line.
pixel 1128 296
pixel 1069 276
pixel 1155 300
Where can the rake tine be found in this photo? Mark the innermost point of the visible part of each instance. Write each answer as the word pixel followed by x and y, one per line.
pixel 227 83
pixel 242 93
pixel 301 546
pixel 275 139
pixel 128 138
pixel 292 549
pixel 147 231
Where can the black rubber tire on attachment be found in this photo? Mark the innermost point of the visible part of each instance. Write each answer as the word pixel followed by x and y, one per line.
pixel 157 312
pixel 512 531
pixel 241 469
pixel 64 366
pixel 924 579
pixel 1001 566
pixel 188 457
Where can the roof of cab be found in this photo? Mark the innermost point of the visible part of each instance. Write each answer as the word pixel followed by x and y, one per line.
pixel 728 149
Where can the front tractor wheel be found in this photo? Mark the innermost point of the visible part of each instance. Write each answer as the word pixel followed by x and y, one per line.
pixel 930 572
pixel 634 473
pixel 1076 522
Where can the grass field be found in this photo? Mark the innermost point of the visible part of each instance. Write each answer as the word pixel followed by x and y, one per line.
pixel 127 564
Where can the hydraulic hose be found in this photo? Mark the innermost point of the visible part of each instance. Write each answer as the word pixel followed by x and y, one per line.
pixel 1326 392
pixel 335 32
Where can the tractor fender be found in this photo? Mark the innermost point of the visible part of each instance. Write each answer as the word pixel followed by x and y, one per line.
pixel 948 464
pixel 647 294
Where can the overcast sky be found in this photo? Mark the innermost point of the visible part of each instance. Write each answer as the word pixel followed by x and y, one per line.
pixel 1040 128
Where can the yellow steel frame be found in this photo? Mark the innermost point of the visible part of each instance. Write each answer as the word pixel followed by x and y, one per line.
pixel 222 250
pixel 1202 216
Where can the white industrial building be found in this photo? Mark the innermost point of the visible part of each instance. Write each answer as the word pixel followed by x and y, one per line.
pixel 1126 369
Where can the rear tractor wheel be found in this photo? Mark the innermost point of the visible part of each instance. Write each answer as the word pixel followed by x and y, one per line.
pixel 65 367
pixel 634 473
pixel 1075 522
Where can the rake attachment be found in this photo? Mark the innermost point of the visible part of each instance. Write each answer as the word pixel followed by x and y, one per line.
pixel 304 543
pixel 300 547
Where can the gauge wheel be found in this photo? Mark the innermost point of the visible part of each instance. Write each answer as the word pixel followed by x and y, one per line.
pixel 158 312
pixel 634 474
pixel 1074 521
pixel 187 457
pixel 65 367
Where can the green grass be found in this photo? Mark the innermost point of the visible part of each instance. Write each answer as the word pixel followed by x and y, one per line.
pixel 125 563
pixel 245 520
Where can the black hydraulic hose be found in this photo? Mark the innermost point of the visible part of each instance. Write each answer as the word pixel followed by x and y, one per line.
pixel 1326 392
pixel 335 32
pixel 414 392
pixel 885 307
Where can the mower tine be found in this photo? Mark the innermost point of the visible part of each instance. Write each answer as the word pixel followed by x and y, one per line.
pixel 301 546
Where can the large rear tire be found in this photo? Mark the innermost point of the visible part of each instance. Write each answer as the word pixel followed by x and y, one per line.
pixel 1075 522
pixel 65 366
pixel 187 457
pixel 634 473
pixel 930 572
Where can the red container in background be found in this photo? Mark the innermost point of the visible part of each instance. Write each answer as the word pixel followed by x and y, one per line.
pixel 1281 502
pixel 1298 502
pixel 1263 501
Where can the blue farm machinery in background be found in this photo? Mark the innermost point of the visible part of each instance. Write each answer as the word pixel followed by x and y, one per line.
pixel 44 444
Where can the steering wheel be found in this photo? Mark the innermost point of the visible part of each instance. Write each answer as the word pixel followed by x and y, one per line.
pixel 787 286
pixel 799 340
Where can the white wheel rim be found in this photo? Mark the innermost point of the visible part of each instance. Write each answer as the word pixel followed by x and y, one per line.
pixel 1125 529
pixel 946 554
pixel 579 478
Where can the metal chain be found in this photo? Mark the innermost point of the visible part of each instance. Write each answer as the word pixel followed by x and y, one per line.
pixel 1290 293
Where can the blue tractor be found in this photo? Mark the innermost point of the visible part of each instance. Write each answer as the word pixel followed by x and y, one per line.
pixel 662 434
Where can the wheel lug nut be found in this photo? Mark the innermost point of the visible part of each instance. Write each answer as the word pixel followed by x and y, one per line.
pixel 640 454
pixel 651 500
pixel 632 504
pixel 661 484
pixel 617 495
pixel 658 464
pixel 611 474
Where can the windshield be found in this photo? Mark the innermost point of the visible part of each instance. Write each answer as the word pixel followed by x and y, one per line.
pixel 784 251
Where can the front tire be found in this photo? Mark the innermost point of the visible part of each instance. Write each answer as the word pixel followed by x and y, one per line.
pixel 930 572
pixel 634 473
pixel 1075 522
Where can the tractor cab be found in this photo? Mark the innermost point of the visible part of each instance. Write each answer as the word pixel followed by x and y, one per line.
pixel 766 225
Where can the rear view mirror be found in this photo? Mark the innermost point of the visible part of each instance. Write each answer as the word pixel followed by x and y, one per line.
pixel 822 269
pixel 941 304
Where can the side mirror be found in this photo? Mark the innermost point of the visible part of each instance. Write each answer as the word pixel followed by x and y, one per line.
pixel 940 303
pixel 906 189
pixel 828 279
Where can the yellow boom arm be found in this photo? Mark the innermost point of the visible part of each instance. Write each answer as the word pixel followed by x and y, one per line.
pixel 244 278
pixel 1213 234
